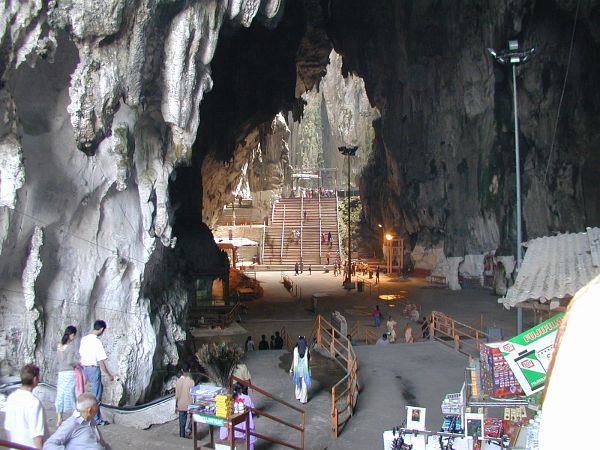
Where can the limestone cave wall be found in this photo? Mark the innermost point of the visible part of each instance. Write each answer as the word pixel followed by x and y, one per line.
pixel 124 125
pixel 114 159
pixel 442 172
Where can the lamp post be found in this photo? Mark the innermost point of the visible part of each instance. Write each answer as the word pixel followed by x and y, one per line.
pixel 348 152
pixel 515 56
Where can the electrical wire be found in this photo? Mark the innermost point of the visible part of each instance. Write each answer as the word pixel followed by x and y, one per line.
pixel 63 301
pixel 57 227
pixel 562 93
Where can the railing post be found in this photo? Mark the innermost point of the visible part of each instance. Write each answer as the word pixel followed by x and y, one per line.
pixel 319 336
pixel 332 344
pixel 457 342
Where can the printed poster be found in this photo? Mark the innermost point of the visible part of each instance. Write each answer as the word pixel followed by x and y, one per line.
pixel 529 354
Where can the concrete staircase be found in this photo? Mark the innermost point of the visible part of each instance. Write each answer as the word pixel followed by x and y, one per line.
pixel 295 232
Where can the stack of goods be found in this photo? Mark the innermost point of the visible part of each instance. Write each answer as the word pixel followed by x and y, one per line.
pixel 492 427
pixel 498 380
pixel 223 404
pixel 452 424
pixel 203 398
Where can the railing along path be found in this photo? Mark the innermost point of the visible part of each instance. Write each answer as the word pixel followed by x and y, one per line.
pixel 344 394
pixel 301 427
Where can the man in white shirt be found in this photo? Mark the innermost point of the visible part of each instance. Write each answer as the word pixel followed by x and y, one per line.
pixel 92 354
pixel 24 420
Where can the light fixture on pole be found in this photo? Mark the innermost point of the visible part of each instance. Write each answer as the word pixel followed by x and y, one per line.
pixel 348 152
pixel 389 238
pixel 515 56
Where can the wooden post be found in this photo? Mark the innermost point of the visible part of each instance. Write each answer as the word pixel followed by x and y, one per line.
pixel 456 342
pixel 319 336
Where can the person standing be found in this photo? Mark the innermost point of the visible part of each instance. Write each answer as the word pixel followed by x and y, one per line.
pixel 301 267
pixel 425 328
pixel 329 237
pixel 377 316
pixel 296 267
pixel 310 269
pixel 183 398
pixel 79 431
pixel 263 344
pixel 24 419
pixel 377 275
pixel 93 357
pixel 391 326
pixel 300 371
pixel 249 346
pixel 278 341
pixel 408 336
pixel 241 371
pixel 66 360
pixel 327 256
pixel 272 342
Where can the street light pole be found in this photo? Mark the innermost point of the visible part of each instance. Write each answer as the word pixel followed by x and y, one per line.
pixel 514 56
pixel 348 152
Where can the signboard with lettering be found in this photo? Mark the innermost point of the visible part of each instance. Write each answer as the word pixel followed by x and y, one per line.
pixel 210 420
pixel 529 354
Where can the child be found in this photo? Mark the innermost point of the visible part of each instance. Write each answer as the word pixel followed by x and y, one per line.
pixel 183 398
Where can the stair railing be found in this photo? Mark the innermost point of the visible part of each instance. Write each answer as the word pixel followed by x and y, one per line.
pixel 265 415
pixel 262 243
pixel 344 394
pixel 273 211
pixel 282 235
pixel 301 224
pixel 464 338
pixel 320 228
pixel 337 220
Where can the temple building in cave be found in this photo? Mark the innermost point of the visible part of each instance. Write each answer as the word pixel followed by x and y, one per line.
pixel 144 144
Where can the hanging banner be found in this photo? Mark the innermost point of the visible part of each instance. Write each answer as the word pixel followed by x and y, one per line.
pixel 529 354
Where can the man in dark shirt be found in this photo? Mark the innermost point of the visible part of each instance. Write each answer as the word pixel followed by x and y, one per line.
pixel 278 341
pixel 263 344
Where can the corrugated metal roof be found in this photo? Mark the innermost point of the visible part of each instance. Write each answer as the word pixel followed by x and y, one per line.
pixel 556 267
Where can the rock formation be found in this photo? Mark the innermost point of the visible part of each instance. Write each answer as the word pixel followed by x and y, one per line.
pixel 442 173
pixel 123 124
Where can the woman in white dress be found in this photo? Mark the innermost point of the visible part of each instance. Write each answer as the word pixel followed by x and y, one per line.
pixel 391 326
pixel 300 371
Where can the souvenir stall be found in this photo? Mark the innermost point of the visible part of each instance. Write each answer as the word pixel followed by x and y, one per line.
pixel 498 404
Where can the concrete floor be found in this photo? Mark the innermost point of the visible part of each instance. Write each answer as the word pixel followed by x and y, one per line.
pixel 391 377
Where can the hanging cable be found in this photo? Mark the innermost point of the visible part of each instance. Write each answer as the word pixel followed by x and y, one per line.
pixel 562 93
pixel 62 301
pixel 56 227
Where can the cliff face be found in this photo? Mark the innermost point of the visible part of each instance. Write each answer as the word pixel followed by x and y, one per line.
pixel 442 173
pixel 123 125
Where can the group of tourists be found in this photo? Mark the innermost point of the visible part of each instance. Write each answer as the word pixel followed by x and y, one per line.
pixel 276 343
pixel 24 419
pixel 390 336
pixel 312 193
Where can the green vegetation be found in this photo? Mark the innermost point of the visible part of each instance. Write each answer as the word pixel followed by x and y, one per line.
pixel 355 212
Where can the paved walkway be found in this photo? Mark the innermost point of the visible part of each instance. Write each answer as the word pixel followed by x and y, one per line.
pixel 392 377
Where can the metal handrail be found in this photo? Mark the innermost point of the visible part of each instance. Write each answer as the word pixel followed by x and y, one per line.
pixel 301 224
pixel 461 334
pixel 320 227
pixel 262 244
pixel 348 396
pixel 282 235
pixel 337 221
pixel 301 428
